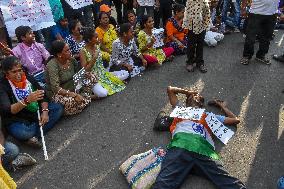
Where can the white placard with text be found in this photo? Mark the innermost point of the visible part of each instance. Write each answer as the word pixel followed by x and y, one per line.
pixel 222 132
pixel 76 4
pixel 34 13
pixel 187 113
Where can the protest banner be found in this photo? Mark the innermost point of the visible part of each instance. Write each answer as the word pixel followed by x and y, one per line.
pixel 34 13
pixel 76 4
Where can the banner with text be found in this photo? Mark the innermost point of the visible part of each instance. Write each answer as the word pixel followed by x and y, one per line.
pixel 34 13
pixel 76 4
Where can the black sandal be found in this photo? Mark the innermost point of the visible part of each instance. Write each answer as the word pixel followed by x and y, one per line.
pixel 202 68
pixel 244 61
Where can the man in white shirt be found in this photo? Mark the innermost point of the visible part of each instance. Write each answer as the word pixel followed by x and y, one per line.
pixel 149 5
pixel 261 22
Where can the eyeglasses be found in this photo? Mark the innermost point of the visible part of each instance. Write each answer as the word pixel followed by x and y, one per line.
pixel 16 71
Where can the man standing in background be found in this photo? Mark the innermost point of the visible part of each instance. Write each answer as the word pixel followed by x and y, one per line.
pixel 261 22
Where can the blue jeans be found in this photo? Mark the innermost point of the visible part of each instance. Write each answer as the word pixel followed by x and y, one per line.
pixel 11 152
pixel 40 78
pixel 25 131
pixel 178 163
pixel 237 12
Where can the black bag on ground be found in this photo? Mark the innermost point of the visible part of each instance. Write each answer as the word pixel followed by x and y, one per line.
pixel 163 122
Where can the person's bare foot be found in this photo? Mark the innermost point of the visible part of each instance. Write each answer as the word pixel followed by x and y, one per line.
pixel 34 142
pixel 95 97
pixel 190 68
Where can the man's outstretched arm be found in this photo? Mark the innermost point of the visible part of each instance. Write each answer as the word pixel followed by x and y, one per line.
pixel 231 118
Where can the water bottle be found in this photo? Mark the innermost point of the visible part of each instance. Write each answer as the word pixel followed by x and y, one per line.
pixel 280 183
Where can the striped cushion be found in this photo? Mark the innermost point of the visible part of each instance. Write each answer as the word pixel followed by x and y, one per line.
pixel 142 170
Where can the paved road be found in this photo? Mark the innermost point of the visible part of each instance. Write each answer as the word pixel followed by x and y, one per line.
pixel 86 150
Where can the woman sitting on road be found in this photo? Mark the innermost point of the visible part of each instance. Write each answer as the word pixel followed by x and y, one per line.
pixel 91 60
pixel 176 34
pixel 146 41
pixel 125 54
pixel 106 34
pixel 60 84
pixel 75 39
pixel 21 98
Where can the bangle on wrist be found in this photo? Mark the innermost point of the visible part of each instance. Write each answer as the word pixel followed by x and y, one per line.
pixel 67 93
pixel 45 110
pixel 26 101
pixel 24 104
pixel 59 90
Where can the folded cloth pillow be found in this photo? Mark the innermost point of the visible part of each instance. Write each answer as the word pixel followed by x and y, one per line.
pixel 142 170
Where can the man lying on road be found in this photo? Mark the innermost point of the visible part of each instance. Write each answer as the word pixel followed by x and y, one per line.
pixel 192 149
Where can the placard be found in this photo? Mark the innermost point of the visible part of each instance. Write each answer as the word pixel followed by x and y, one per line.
pixel 222 132
pixel 159 36
pixel 34 13
pixel 187 113
pixel 78 79
pixel 76 4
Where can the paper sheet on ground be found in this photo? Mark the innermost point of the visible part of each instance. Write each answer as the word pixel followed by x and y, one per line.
pixel 222 132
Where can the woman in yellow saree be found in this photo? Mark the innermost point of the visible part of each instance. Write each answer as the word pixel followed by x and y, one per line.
pixel 107 35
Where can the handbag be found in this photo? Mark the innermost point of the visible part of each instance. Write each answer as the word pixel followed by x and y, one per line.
pixel 142 170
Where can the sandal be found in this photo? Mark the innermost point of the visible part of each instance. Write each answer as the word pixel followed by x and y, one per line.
pixel 190 68
pixel 244 61
pixel 202 68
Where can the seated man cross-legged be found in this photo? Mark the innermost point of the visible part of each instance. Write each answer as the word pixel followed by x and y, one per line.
pixel 189 150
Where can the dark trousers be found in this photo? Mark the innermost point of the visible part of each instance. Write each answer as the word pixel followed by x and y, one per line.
pixel 118 8
pixel 122 13
pixel 178 163
pixel 166 11
pixel 263 27
pixel 195 48
pixel 183 2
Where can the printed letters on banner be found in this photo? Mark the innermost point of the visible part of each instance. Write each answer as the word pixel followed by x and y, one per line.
pixel 76 4
pixel 34 13
pixel 219 129
pixel 187 113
